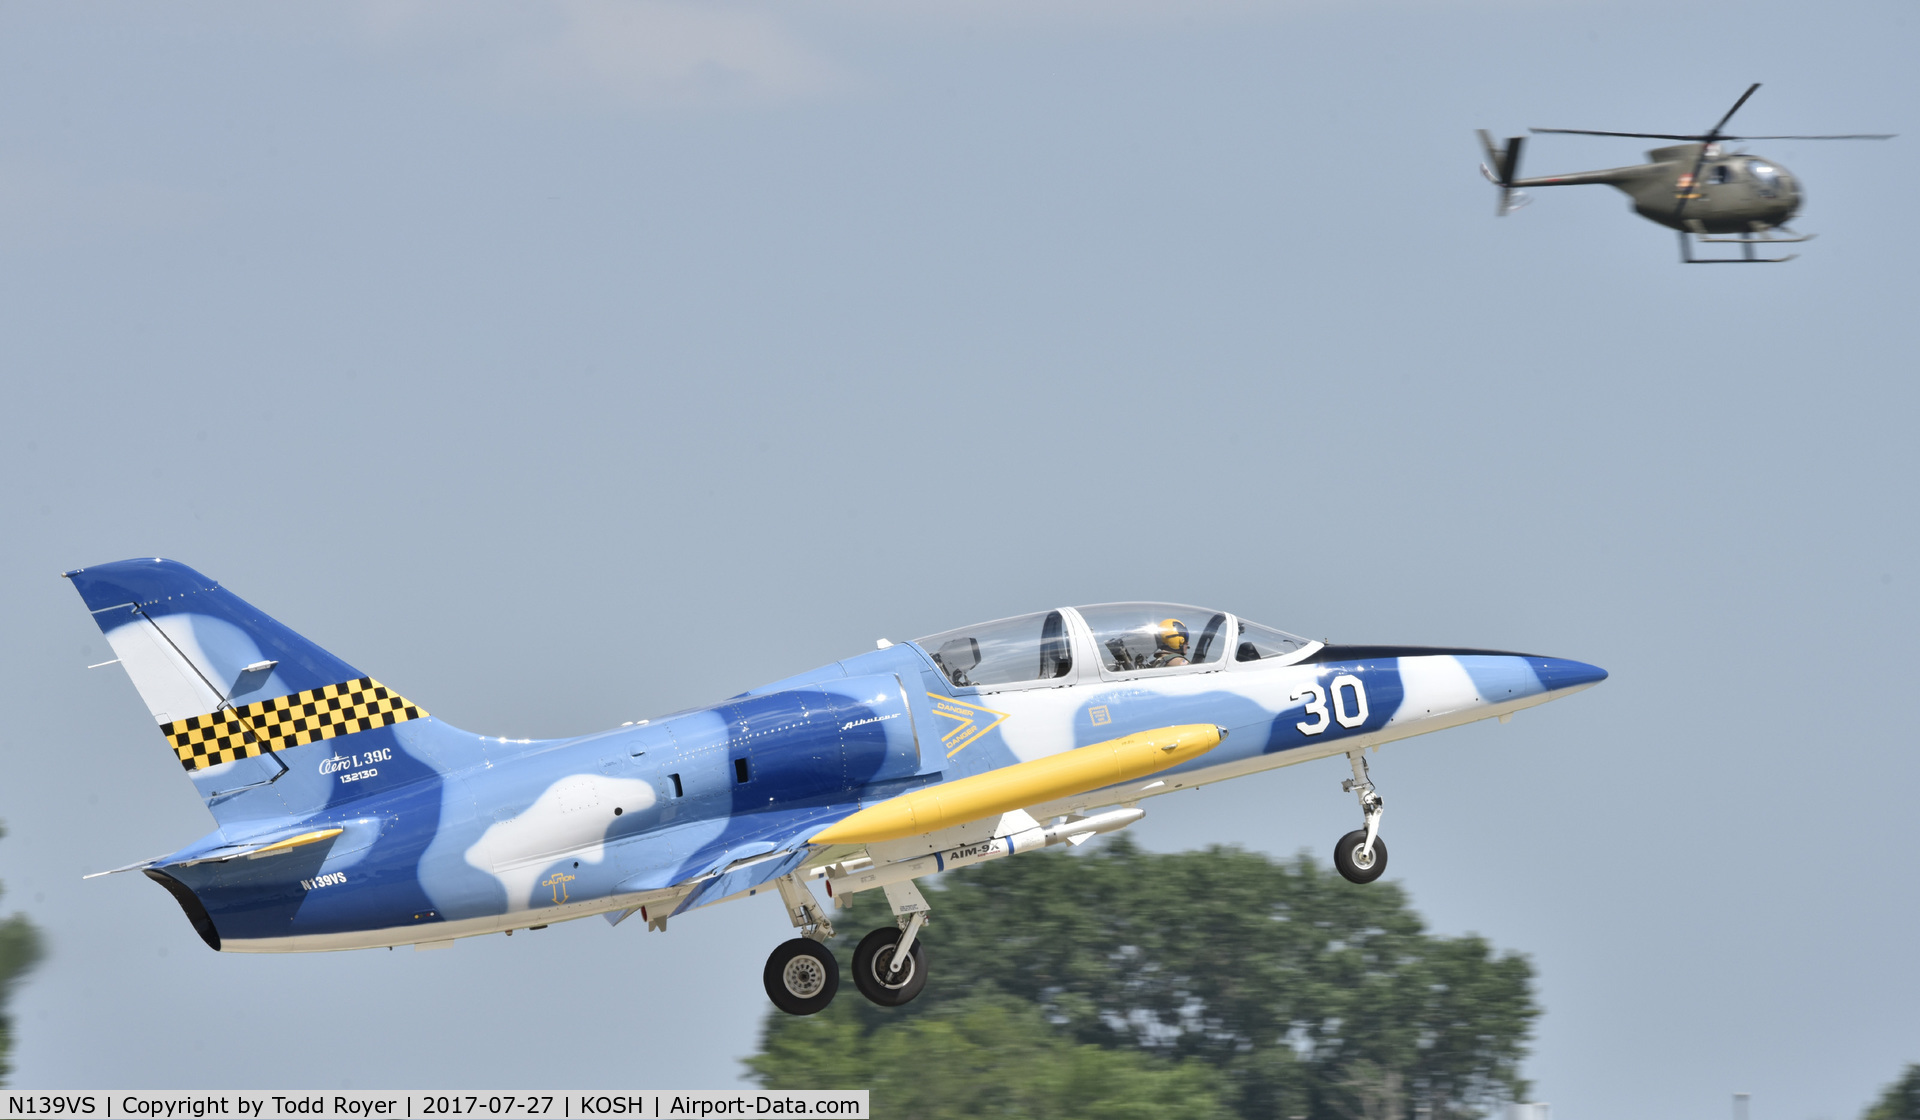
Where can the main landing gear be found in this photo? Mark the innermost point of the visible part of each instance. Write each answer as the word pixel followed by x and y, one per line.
pixel 1361 856
pixel 801 976
pixel 889 965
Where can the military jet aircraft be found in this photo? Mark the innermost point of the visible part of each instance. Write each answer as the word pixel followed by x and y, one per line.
pixel 350 818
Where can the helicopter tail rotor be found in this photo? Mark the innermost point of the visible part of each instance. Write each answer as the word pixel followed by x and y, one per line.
pixel 1504 169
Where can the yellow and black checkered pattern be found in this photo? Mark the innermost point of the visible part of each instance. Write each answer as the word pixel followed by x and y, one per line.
pixel 286 721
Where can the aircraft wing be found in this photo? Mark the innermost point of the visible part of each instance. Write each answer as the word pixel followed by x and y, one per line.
pixel 746 875
pixel 774 843
pixel 752 851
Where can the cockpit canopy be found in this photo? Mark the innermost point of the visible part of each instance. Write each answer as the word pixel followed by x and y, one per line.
pixel 1766 177
pixel 1030 647
pixel 1117 638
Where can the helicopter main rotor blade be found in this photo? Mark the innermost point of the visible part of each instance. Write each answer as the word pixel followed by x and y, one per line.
pixel 1690 186
pixel 1596 132
pixel 1715 131
pixel 1846 136
pixel 1708 136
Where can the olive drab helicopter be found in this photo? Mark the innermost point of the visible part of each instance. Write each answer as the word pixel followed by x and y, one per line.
pixel 1699 188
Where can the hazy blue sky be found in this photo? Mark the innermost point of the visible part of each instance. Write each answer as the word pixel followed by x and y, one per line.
pixel 567 364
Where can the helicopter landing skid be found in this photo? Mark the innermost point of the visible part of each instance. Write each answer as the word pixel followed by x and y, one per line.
pixel 1746 243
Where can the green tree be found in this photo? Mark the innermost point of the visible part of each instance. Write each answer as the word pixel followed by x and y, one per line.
pixel 20 950
pixel 986 1054
pixel 1901 1101
pixel 1303 994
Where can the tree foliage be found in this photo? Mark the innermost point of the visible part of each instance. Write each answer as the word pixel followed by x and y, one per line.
pixel 985 1054
pixel 20 950
pixel 1901 1101
pixel 1299 993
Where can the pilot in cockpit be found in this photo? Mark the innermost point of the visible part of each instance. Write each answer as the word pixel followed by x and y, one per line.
pixel 1171 645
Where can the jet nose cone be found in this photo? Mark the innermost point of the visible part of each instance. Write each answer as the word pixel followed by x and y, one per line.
pixel 1557 674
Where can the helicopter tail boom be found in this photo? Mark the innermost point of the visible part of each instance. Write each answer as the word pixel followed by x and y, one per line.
pixel 1612 176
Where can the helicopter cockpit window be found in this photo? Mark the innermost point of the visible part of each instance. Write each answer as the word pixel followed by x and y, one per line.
pixel 1721 174
pixel 1257 642
pixel 1133 636
pixel 1766 175
pixel 1032 647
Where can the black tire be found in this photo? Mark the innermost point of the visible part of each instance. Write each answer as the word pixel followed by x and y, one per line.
pixel 801 976
pixel 1347 857
pixel 873 964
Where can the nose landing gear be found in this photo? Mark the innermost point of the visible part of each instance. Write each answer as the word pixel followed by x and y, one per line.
pixel 1361 856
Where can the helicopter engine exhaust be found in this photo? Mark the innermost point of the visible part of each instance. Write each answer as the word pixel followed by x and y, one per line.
pixel 1507 159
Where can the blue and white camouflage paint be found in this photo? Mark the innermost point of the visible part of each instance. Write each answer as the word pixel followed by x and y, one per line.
pixel 349 817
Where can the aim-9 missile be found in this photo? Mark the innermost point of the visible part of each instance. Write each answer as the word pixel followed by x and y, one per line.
pixel 843 881
pixel 1007 792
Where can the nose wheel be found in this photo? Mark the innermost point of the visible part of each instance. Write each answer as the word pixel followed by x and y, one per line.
pixel 1361 856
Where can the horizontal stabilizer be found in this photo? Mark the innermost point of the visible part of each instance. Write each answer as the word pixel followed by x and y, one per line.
pixel 256 847
pixel 140 865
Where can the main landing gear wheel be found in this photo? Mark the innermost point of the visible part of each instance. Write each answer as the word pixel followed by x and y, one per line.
pixel 801 976
pixel 1351 858
pixel 875 976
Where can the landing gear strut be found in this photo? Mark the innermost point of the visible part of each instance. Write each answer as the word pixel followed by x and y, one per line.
pixel 802 975
pixel 890 965
pixel 1361 856
pixel 1757 235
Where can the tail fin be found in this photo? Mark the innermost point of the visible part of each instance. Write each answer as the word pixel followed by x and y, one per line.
pixel 1502 169
pixel 236 694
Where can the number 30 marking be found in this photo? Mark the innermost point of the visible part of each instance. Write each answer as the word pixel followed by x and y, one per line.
pixel 1317 704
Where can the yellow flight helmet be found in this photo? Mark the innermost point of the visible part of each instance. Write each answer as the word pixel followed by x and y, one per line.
pixel 1173 635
